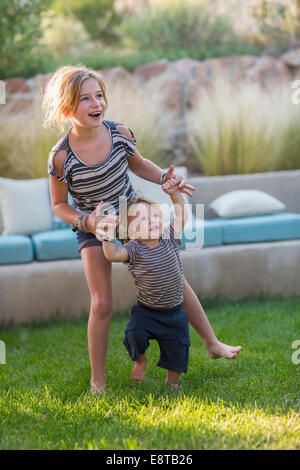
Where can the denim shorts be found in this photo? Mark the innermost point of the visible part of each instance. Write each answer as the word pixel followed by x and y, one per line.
pixel 169 327
pixel 86 239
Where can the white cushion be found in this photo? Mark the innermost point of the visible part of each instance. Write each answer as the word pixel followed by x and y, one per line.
pixel 25 206
pixel 245 203
pixel 155 192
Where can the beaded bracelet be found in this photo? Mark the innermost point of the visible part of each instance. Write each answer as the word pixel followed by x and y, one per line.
pixel 80 223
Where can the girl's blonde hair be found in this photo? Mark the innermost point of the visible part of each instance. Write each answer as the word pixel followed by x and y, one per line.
pixel 63 91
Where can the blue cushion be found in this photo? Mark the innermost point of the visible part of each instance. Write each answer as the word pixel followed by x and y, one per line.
pixel 261 228
pixel 193 234
pixel 55 244
pixel 15 249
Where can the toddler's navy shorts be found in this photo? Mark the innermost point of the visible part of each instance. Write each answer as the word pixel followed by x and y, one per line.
pixel 86 239
pixel 169 327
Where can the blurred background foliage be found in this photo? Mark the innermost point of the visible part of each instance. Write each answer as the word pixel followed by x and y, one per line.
pixel 239 130
pixel 36 36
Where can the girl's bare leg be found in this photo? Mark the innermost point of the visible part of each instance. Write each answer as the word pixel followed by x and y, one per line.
pixel 200 323
pixel 172 378
pixel 138 371
pixel 98 275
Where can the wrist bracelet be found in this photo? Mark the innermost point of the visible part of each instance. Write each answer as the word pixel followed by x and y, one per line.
pixel 162 178
pixel 80 223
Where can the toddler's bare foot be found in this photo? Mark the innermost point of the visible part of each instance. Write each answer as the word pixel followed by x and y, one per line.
pixel 138 371
pixel 98 388
pixel 173 385
pixel 172 378
pixel 218 349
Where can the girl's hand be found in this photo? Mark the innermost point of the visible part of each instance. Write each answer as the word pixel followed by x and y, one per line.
pixel 93 218
pixel 182 185
pixel 106 227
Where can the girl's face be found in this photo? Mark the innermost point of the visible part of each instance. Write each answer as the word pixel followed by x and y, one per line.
pixel 91 107
pixel 145 222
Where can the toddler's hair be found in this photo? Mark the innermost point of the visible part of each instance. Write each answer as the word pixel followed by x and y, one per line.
pixel 63 91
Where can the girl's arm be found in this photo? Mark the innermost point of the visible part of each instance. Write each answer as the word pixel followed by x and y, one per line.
pixel 149 171
pixel 59 198
pixel 59 193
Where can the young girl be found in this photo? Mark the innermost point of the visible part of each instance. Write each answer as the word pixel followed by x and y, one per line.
pixel 90 161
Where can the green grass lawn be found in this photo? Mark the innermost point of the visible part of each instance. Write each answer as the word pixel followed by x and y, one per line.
pixel 251 402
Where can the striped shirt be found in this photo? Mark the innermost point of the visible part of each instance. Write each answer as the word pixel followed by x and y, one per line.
pixel 105 181
pixel 157 270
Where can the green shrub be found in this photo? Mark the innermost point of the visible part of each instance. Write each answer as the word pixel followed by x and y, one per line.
pixel 278 24
pixel 20 31
pixel 98 17
pixel 64 36
pixel 179 29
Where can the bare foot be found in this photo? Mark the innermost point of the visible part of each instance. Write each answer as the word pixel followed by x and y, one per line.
pixel 172 378
pixel 97 388
pixel 138 371
pixel 172 385
pixel 218 349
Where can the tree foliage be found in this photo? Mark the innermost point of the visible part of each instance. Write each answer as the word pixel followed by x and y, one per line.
pixel 20 30
pixel 98 17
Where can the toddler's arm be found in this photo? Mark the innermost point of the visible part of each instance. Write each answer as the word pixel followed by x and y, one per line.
pixel 113 253
pixel 106 230
pixel 180 209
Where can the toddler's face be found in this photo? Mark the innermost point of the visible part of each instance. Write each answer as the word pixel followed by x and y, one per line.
pixel 144 222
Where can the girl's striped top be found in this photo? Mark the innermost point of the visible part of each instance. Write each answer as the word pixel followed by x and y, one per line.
pixel 106 181
pixel 157 270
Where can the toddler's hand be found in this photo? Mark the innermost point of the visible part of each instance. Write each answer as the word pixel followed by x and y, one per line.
pixel 171 186
pixel 183 186
pixel 106 227
pixel 93 218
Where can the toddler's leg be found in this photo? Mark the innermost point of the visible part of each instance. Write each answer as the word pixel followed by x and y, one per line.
pixel 172 378
pixel 138 371
pixel 136 342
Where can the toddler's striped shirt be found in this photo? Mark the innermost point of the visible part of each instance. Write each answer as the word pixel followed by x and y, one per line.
pixel 157 270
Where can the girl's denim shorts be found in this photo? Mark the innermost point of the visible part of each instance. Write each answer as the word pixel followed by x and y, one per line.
pixel 86 239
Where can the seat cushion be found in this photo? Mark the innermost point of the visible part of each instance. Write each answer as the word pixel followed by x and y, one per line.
pixel 261 228
pixel 198 233
pixel 15 249
pixel 55 244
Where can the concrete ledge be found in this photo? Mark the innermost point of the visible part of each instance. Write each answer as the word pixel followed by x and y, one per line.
pixel 41 290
